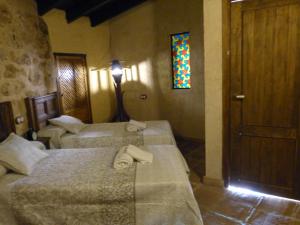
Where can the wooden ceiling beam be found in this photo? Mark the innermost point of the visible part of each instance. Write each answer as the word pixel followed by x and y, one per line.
pixel 45 6
pixel 111 10
pixel 85 8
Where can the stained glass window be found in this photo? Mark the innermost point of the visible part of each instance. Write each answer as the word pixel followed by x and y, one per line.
pixel 181 60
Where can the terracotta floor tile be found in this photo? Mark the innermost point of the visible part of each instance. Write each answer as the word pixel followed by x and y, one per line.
pixel 247 199
pixel 296 214
pixel 264 218
pixel 278 206
pixel 220 206
pixel 208 197
pixel 204 211
pixel 195 179
pixel 233 209
pixel 197 168
pixel 212 218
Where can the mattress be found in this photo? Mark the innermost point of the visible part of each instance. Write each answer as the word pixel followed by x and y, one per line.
pixel 115 134
pixel 163 194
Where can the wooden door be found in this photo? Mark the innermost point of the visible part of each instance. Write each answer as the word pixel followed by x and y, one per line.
pixel 73 85
pixel 265 88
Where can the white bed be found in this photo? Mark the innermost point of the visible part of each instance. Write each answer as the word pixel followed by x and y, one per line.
pixel 163 194
pixel 43 110
pixel 115 134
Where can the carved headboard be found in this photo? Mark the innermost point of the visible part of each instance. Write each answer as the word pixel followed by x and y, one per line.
pixel 42 108
pixel 7 123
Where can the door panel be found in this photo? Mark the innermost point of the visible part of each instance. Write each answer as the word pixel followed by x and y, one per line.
pixel 265 70
pixel 73 86
pixel 269 64
pixel 263 159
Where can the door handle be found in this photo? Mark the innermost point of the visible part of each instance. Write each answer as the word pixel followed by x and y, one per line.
pixel 240 97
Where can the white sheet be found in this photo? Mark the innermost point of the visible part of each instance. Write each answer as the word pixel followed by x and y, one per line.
pixel 112 134
pixel 6 215
pixel 163 193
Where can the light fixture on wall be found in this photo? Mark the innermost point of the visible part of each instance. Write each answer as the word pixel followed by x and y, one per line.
pixel 117 72
pixel 19 120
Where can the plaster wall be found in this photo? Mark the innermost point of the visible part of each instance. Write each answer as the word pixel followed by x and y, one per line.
pixel 133 41
pixel 80 37
pixel 141 37
pixel 213 87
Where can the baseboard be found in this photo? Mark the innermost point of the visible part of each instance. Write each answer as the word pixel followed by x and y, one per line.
pixel 213 181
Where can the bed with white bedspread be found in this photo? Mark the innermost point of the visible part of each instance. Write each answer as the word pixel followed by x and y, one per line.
pixel 115 135
pixel 45 110
pixel 81 187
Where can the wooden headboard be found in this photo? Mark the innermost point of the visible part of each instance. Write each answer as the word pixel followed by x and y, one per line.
pixel 7 122
pixel 40 109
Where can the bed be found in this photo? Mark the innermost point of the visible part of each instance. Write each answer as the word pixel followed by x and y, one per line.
pixel 80 187
pixel 41 109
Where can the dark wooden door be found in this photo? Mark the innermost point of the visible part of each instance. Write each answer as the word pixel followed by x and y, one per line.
pixel 73 85
pixel 265 88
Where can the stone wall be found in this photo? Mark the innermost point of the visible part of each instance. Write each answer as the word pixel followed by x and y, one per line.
pixel 26 63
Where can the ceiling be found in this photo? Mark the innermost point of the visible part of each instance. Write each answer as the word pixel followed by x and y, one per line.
pixel 97 10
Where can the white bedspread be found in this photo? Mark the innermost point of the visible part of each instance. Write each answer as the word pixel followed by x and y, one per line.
pixel 163 193
pixel 115 134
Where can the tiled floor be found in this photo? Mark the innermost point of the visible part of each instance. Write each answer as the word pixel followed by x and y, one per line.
pixel 221 206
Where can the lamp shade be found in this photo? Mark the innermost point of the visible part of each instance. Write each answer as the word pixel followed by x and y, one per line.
pixel 116 68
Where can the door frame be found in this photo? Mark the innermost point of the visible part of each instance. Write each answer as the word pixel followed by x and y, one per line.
pixel 87 79
pixel 226 98
pixel 226 24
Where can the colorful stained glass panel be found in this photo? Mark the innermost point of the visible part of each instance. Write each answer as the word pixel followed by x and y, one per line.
pixel 181 60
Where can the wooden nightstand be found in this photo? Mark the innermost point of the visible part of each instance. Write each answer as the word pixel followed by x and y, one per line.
pixel 45 141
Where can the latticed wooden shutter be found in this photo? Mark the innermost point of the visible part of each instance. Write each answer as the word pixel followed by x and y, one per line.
pixel 73 86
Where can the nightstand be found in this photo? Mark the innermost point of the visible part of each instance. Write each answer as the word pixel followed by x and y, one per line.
pixel 45 141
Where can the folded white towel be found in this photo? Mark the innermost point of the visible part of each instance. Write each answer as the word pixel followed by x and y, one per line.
pixel 140 125
pixel 132 128
pixel 122 159
pixel 139 155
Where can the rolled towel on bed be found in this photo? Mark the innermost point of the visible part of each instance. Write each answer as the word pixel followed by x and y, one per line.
pixel 122 159
pixel 139 155
pixel 139 125
pixel 132 128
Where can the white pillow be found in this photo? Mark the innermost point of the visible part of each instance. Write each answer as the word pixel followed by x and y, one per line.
pixel 19 155
pixel 3 171
pixel 52 132
pixel 69 123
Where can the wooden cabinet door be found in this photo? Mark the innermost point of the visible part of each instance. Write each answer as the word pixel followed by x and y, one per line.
pixel 265 90
pixel 73 85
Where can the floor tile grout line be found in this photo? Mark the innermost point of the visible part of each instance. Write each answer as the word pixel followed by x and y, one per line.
pixel 229 217
pixel 253 209
pixel 194 159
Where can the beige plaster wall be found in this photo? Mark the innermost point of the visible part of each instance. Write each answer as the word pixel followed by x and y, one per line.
pixel 133 41
pixel 213 87
pixel 183 108
pixel 141 37
pixel 26 64
pixel 80 37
